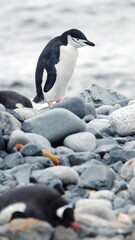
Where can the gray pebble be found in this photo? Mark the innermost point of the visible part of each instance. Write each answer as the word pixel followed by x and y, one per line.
pixel 100 125
pixel 97 176
pixel 8 123
pixel 55 124
pixel 104 109
pixel 127 171
pixel 102 194
pixel 106 145
pixel 98 207
pixel 81 142
pixel 66 174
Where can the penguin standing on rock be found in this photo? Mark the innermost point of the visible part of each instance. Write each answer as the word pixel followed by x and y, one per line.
pixel 37 201
pixel 56 65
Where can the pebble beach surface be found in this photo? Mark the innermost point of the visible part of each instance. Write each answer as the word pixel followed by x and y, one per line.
pixel 85 148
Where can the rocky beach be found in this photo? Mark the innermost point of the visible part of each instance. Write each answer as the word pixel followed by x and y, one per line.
pixel 84 147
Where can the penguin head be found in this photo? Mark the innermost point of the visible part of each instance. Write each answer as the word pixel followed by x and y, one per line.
pixel 66 214
pixel 76 38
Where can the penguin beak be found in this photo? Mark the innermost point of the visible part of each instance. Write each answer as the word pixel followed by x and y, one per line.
pixel 90 43
pixel 75 226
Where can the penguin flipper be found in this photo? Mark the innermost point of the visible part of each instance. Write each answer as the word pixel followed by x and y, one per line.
pixel 51 77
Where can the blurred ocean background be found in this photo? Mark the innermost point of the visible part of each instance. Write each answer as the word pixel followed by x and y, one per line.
pixel 26 26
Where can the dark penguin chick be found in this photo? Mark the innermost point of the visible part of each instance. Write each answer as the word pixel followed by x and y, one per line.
pixel 37 201
pixel 12 100
pixel 56 65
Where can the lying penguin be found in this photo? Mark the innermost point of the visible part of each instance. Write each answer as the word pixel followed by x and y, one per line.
pixel 12 100
pixel 36 201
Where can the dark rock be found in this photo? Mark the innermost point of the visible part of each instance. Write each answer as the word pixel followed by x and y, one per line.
pixel 118 155
pixel 74 104
pixel 81 157
pixel 31 149
pixel 90 110
pixel 2 144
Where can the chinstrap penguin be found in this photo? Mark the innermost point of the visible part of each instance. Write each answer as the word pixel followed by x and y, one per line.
pixel 56 64
pixel 12 100
pixel 37 201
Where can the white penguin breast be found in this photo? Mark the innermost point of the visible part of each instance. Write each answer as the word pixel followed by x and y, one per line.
pixel 7 212
pixel 64 70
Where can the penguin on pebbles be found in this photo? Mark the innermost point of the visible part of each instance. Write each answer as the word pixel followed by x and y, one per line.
pixel 56 64
pixel 36 201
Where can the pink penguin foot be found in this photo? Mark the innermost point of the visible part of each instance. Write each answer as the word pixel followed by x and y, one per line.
pixel 58 101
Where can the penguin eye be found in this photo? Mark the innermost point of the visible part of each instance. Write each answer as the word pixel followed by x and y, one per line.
pixel 77 39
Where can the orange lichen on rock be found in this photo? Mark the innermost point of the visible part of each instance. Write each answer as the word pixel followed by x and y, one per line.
pixel 52 157
pixel 19 146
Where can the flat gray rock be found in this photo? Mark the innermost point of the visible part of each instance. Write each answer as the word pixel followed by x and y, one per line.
pixel 123 120
pixel 54 125
pixel 81 142
pixel 97 176
pixel 101 96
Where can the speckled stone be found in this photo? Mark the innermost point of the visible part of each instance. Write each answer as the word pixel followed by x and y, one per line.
pixel 81 142
pixel 8 123
pixel 122 120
